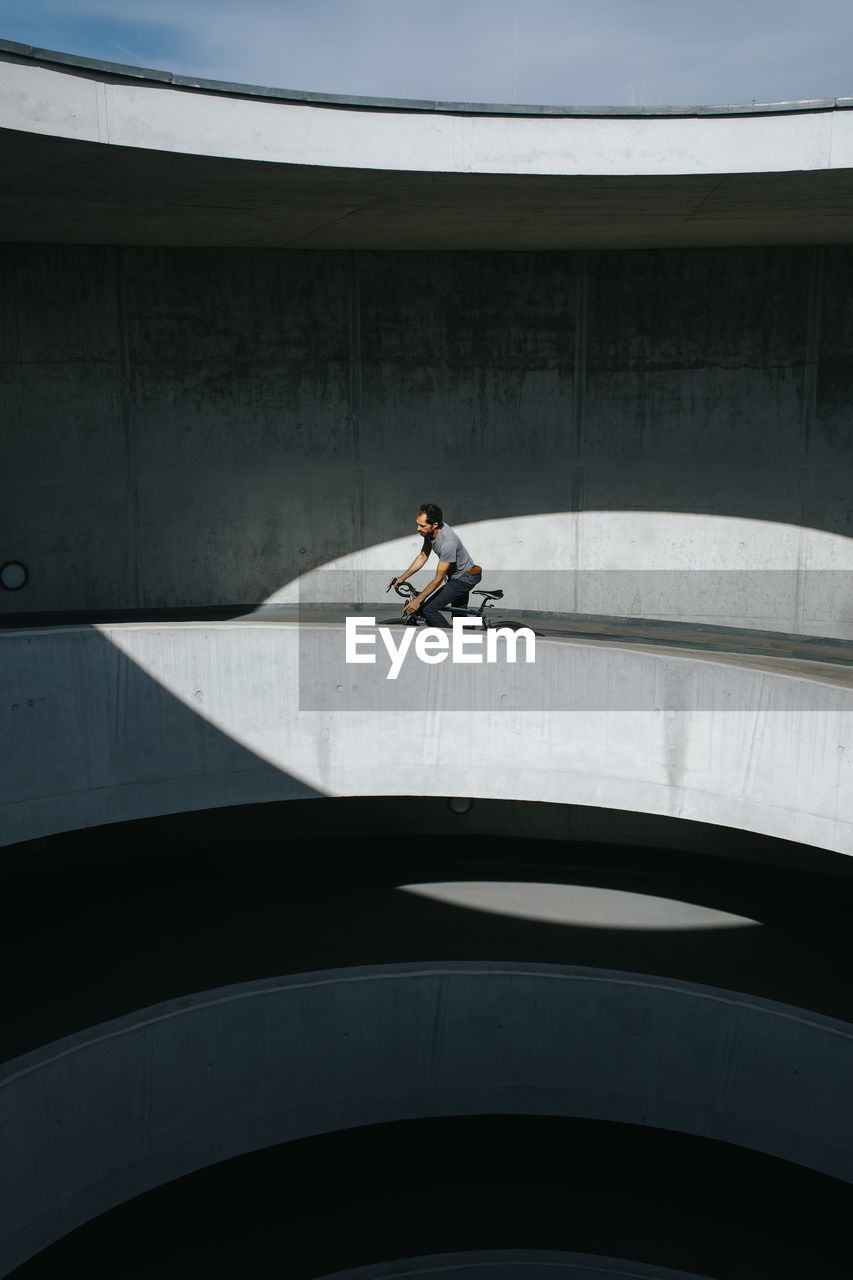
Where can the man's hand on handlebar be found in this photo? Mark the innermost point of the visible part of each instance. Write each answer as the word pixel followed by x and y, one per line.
pixel 414 599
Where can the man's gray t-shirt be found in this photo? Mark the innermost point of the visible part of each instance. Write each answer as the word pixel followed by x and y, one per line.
pixel 448 546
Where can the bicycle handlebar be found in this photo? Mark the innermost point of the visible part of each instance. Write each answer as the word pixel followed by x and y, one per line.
pixel 404 589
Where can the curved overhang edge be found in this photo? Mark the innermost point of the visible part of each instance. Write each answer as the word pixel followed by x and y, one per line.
pixel 423 175
pixel 76 62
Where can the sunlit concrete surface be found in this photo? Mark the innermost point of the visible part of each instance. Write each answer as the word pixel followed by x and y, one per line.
pixel 700 569
pixel 146 156
pixel 124 107
pixel 640 434
pixel 109 723
pixel 592 908
pixel 104 1115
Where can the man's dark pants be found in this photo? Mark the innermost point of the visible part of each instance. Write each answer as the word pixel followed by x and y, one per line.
pixel 455 591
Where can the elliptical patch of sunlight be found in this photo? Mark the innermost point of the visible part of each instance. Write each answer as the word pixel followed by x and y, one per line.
pixel 583 906
pixel 588 542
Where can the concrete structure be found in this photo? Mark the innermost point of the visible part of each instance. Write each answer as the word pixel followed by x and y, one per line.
pixel 136 1103
pixel 114 723
pixel 244 333
pixel 194 162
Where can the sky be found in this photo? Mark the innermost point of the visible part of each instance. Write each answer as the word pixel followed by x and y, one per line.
pixel 569 53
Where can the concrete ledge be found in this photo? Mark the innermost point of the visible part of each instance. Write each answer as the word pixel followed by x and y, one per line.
pixel 107 724
pixel 47 94
pixel 102 1116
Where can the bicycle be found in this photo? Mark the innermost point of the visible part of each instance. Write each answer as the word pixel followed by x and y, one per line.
pixel 407 592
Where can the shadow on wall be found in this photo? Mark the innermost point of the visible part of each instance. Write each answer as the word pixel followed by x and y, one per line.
pixel 486 1180
pixel 89 737
pixel 198 427
pixel 185 903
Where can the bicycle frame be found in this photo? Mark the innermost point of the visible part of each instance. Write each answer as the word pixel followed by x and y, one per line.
pixel 408 592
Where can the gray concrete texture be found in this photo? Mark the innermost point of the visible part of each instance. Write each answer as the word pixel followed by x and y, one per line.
pixel 201 427
pixel 55 191
pixel 110 723
pixel 100 153
pixel 106 1114
pixel 192 427
pixel 47 94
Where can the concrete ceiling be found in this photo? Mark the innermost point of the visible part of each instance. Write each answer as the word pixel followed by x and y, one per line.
pixel 57 190
pixel 63 185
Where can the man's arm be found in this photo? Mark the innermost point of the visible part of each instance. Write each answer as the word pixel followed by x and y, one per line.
pixel 443 566
pixel 418 563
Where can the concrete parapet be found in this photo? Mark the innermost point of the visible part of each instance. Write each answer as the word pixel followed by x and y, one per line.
pixel 105 724
pixel 102 1116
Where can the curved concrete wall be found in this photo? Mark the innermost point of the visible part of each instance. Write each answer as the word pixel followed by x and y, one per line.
pixel 198 427
pixel 127 107
pixel 661 434
pixel 102 1116
pixel 118 722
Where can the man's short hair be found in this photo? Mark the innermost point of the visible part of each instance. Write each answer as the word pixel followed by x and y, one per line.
pixel 431 511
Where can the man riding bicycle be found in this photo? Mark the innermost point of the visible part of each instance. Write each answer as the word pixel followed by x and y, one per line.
pixel 454 577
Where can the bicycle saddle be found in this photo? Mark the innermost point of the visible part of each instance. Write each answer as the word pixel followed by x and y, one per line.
pixel 491 595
